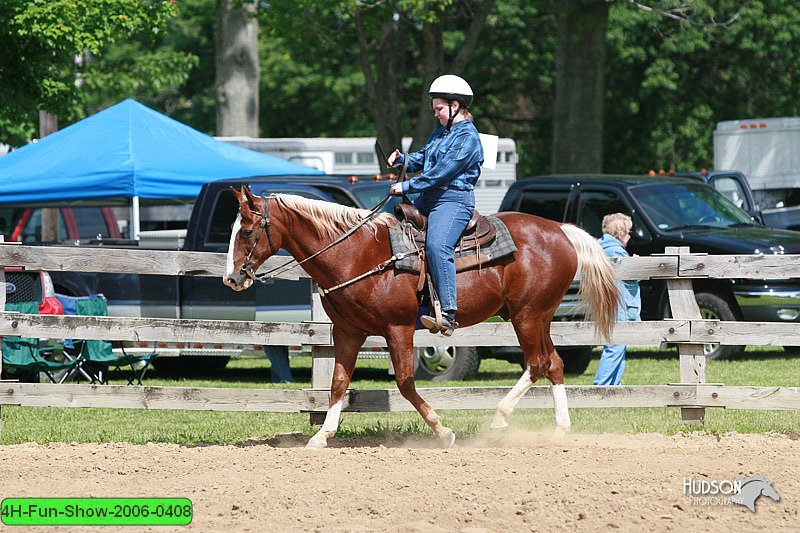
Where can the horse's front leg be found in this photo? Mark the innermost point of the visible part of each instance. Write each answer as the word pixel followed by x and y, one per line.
pixel 401 349
pixel 346 347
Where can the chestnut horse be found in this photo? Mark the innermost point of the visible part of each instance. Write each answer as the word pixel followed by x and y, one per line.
pixel 525 288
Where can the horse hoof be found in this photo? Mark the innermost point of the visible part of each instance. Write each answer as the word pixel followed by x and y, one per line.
pixel 447 440
pixel 560 433
pixel 316 444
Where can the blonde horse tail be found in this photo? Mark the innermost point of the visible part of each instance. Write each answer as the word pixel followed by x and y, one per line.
pixel 598 289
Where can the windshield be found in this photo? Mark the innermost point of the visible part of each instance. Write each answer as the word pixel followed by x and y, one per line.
pixel 672 206
pixel 369 196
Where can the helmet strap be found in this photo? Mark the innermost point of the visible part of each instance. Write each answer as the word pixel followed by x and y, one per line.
pixel 451 116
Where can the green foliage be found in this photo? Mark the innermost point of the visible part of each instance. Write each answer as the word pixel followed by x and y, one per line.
pixel 513 76
pixel 669 82
pixel 41 41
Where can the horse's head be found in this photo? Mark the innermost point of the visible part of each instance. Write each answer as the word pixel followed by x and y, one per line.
pixel 252 240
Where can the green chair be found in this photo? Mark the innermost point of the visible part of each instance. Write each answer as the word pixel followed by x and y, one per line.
pixel 97 356
pixel 28 359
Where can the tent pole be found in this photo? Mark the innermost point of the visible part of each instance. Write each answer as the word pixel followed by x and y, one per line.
pixel 135 227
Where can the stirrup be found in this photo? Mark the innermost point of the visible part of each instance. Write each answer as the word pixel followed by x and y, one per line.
pixel 446 328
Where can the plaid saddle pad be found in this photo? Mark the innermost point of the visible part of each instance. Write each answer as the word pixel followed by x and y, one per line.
pixel 501 246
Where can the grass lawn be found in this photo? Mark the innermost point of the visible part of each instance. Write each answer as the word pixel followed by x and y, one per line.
pixel 758 367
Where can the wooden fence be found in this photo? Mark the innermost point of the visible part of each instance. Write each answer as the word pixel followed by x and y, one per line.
pixel 686 329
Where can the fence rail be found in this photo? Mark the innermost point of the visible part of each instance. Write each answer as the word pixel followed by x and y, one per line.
pixel 687 330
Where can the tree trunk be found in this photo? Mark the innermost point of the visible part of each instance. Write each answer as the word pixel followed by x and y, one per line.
pixel 237 69
pixel 433 66
pixel 580 86
pixel 48 124
pixel 432 37
pixel 383 84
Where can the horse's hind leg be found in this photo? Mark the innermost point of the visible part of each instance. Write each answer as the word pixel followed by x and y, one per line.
pixel 555 374
pixel 507 404
pixel 529 333
pixel 401 349
pixel 541 359
pixel 346 347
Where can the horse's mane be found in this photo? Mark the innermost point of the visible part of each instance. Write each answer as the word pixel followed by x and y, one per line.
pixel 332 220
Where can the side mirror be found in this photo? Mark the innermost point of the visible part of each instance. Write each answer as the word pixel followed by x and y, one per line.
pixel 640 235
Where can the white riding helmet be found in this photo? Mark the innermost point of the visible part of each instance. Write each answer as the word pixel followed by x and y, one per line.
pixel 450 87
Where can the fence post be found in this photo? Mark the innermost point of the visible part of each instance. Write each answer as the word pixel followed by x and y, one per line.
pixel 322 357
pixel 692 358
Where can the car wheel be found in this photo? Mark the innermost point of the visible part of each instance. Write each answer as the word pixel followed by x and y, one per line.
pixel 447 363
pixel 714 307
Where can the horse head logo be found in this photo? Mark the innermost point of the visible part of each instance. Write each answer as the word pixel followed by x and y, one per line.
pixel 752 488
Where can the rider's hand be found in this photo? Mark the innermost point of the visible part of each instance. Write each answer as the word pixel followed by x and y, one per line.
pixel 397 189
pixel 393 157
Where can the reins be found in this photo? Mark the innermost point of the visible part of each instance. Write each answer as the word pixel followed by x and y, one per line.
pixel 247 266
pixel 292 263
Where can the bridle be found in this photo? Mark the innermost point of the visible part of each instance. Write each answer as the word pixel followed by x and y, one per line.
pixel 247 266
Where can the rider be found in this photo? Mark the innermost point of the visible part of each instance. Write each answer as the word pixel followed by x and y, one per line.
pixel 450 164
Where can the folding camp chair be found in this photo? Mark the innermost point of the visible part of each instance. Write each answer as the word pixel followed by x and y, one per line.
pixel 27 358
pixel 97 357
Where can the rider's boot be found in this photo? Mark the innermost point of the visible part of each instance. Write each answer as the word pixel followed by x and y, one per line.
pixel 449 323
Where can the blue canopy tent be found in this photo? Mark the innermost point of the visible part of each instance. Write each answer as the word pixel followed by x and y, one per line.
pixel 127 151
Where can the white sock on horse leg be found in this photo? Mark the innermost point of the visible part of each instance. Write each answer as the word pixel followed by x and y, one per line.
pixel 560 403
pixel 507 404
pixel 329 427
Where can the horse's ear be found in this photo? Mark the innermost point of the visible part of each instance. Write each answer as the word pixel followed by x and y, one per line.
pixel 252 201
pixel 236 194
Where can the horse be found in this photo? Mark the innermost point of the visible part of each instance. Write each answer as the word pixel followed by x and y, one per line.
pixel 751 489
pixel 525 288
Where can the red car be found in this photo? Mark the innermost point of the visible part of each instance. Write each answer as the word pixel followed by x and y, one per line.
pixel 32 286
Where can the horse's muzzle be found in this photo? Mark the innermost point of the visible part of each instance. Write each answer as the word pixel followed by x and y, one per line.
pixel 237 282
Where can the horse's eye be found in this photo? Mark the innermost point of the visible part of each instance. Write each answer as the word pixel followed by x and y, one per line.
pixel 247 232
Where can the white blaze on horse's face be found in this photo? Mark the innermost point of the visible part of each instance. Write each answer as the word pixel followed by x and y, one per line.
pixel 232 277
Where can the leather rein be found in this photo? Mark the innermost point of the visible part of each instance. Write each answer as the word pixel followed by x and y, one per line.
pixel 247 266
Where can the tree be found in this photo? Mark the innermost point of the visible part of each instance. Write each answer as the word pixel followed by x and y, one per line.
pixel 673 76
pixel 580 86
pixel 401 46
pixel 237 68
pixel 42 38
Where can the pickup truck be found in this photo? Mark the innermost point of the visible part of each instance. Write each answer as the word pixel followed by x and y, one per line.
pixel 736 187
pixel 673 211
pixel 208 230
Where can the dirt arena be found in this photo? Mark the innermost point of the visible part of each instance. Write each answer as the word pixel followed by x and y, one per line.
pixel 526 482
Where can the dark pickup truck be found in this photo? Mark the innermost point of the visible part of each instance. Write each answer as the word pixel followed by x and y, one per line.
pixel 208 230
pixel 673 211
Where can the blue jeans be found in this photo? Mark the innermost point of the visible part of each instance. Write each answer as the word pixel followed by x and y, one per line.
pixel 612 360
pixel 279 359
pixel 448 213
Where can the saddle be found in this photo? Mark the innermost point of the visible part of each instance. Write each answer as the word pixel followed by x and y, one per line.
pixel 479 230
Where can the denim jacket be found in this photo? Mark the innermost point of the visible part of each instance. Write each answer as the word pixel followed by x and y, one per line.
pixel 629 289
pixel 449 160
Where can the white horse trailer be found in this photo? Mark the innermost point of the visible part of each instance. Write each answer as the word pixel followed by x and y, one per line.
pixel 767 151
pixel 356 155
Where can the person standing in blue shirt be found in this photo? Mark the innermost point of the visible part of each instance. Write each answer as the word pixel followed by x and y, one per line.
pixel 449 165
pixel 616 234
